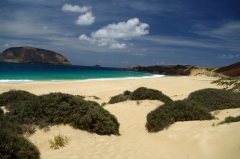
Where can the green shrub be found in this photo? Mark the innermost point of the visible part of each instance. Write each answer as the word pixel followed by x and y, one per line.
pixel 230 119
pixel 216 99
pixel 59 108
pixel 127 93
pixel 151 94
pixel 16 147
pixel 14 96
pixel 118 98
pixel 175 111
pixel 59 141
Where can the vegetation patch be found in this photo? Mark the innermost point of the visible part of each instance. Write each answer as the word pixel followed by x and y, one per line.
pixel 59 141
pixel 59 108
pixel 151 94
pixel 216 99
pixel 11 97
pixel 141 93
pixel 172 112
pixel 121 97
pixel 229 83
pixel 230 119
pixel 15 146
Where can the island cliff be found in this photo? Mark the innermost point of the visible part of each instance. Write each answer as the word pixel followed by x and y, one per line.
pixel 32 55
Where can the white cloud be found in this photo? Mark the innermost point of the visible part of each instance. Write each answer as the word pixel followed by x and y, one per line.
pixel 85 19
pixel 139 54
pixel 75 8
pixel 224 56
pixel 85 38
pixel 6 45
pixel 144 49
pixel 45 28
pixel 123 30
pixel 117 46
pixel 125 62
pixel 110 34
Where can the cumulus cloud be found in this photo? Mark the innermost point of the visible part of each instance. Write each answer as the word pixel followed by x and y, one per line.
pixel 118 46
pixel 110 34
pixel 85 19
pixel 75 8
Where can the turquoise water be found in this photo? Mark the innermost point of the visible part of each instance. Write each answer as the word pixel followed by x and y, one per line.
pixel 12 72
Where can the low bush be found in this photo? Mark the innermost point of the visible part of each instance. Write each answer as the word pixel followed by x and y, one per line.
pixel 118 98
pixel 15 146
pixel 216 99
pixel 230 119
pixel 59 141
pixel 151 94
pixel 175 111
pixel 14 96
pixel 59 108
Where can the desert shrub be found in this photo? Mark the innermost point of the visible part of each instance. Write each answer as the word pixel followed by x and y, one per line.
pixel 15 146
pixel 175 111
pixel 118 98
pixel 121 97
pixel 230 83
pixel 59 108
pixel 230 119
pixel 59 141
pixel 216 99
pixel 127 93
pixel 151 94
pixel 14 96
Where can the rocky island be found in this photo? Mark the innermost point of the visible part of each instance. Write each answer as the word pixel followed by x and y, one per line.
pixel 32 55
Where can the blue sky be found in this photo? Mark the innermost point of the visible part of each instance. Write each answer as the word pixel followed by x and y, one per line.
pixel 117 33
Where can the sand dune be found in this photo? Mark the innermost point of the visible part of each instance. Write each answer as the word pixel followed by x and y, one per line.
pixel 192 139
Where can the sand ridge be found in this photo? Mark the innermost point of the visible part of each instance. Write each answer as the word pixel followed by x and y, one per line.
pixel 192 139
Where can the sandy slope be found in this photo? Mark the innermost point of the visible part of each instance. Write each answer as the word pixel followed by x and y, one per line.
pixel 193 139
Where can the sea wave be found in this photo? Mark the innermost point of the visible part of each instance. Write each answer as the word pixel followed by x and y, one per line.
pixel 93 79
pixel 123 78
pixel 12 81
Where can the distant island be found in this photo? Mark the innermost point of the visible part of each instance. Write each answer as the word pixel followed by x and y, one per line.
pixel 32 55
pixel 97 66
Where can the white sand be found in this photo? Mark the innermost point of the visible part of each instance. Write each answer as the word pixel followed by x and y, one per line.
pixel 193 139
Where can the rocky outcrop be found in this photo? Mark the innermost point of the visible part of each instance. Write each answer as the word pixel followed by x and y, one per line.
pixel 230 70
pixel 32 55
pixel 183 70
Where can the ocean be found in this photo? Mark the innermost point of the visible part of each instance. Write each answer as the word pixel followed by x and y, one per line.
pixel 25 72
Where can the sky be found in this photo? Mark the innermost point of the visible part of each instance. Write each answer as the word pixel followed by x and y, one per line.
pixel 118 33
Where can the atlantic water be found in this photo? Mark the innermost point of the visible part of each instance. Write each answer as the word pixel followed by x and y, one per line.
pixel 22 72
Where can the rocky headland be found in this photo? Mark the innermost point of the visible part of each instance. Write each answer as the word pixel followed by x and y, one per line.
pixel 32 55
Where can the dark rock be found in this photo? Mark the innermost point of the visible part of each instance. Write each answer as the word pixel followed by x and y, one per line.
pixel 183 70
pixel 32 55
pixel 230 70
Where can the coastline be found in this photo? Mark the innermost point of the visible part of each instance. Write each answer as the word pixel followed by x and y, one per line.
pixel 192 139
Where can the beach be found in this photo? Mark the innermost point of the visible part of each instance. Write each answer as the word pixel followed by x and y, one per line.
pixel 190 140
